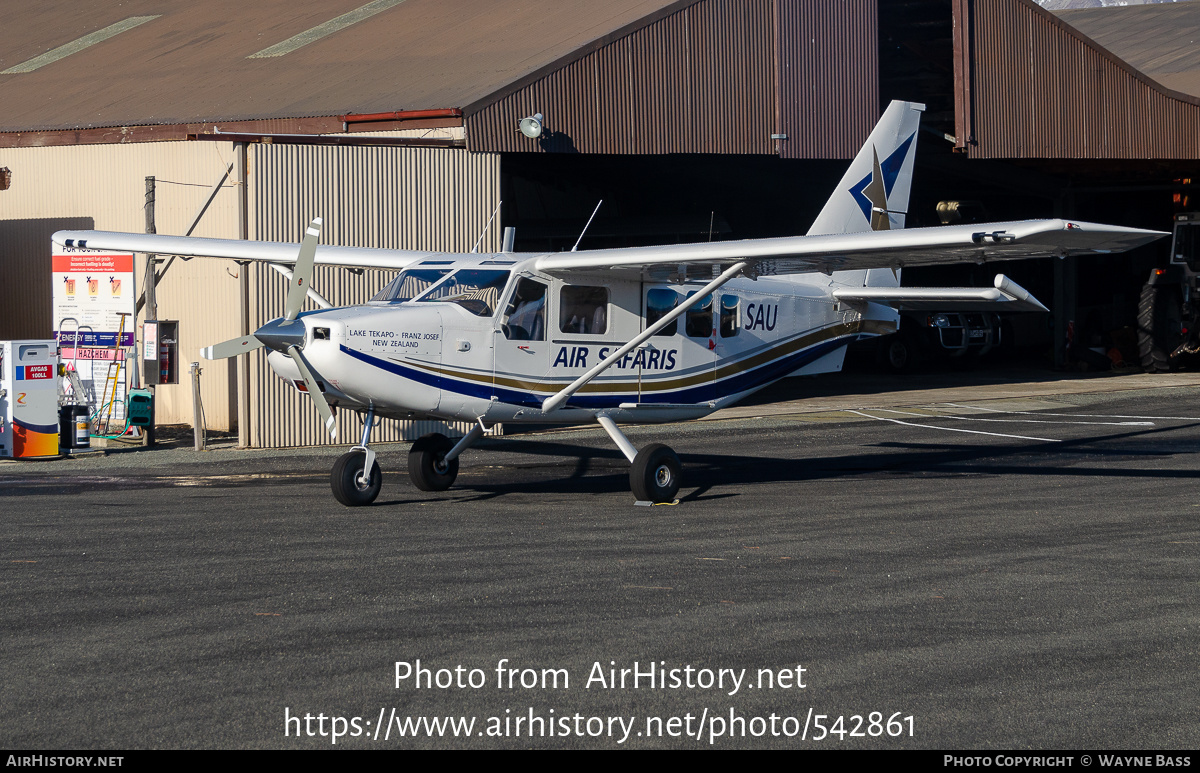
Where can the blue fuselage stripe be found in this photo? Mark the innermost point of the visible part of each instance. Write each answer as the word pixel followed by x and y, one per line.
pixel 701 393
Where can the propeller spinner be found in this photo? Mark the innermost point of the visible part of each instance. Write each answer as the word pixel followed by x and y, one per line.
pixel 283 335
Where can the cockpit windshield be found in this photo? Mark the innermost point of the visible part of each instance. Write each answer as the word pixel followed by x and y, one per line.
pixel 409 284
pixel 476 290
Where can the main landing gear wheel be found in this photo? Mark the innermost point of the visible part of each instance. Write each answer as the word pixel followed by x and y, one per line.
pixel 896 354
pixel 655 475
pixel 899 353
pixel 427 465
pixel 347 481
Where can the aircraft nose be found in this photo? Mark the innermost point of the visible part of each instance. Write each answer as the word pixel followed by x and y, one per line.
pixel 280 334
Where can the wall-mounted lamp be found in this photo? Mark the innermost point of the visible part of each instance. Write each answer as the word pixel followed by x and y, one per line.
pixel 531 126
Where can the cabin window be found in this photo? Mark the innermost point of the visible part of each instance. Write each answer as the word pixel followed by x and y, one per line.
pixel 583 309
pixel 699 322
pixel 729 316
pixel 409 284
pixel 659 303
pixel 526 312
pixel 477 291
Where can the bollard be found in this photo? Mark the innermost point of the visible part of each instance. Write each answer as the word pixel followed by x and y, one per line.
pixel 197 410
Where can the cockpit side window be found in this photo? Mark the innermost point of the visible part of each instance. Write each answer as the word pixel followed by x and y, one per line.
pixel 526 312
pixel 476 290
pixel 409 284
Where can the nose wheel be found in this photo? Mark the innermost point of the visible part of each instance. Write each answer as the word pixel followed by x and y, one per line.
pixel 352 485
pixel 356 478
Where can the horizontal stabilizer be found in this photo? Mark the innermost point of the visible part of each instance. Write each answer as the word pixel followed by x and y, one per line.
pixel 1006 295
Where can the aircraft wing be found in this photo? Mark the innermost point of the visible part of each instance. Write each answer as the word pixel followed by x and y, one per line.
pixel 1006 295
pixel 236 249
pixel 870 249
pixel 767 257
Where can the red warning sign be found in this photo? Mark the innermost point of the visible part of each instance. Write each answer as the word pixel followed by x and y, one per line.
pixel 29 372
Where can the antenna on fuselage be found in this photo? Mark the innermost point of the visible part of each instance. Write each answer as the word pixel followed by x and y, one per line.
pixel 589 222
pixel 495 212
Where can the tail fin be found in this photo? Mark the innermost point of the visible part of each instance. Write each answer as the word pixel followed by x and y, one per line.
pixel 873 194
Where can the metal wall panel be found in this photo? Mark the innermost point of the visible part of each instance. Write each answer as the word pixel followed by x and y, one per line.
pixel 829 76
pixel 719 76
pixel 401 198
pixel 375 197
pixel 1038 88
pixel 103 187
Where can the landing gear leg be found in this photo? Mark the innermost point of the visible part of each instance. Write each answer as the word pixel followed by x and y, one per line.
pixel 356 478
pixel 655 474
pixel 433 460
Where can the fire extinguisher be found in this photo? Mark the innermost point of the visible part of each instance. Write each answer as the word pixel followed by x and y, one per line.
pixel 164 363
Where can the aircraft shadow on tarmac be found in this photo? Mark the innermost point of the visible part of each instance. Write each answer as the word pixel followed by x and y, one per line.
pixel 552 467
pixel 605 471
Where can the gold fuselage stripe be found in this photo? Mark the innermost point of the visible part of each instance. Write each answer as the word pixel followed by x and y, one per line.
pixel 649 383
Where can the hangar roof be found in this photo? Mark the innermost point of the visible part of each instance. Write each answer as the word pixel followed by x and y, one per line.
pixel 71 65
pixel 796 78
pixel 1159 39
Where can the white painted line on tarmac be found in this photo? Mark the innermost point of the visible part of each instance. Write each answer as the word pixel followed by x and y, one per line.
pixel 1082 415
pixel 953 429
pixel 1024 421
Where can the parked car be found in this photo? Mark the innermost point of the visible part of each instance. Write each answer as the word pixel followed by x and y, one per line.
pixel 951 336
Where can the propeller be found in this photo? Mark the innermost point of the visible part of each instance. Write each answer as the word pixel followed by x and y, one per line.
pixel 231 348
pixel 283 335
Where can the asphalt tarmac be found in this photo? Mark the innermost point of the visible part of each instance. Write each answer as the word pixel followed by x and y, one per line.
pixel 993 570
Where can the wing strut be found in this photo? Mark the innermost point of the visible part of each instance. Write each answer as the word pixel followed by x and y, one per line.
pixel 556 400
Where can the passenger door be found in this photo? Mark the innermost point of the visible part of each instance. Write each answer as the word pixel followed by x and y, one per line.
pixel 680 364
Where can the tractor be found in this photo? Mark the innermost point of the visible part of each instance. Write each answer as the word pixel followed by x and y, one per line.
pixel 1169 307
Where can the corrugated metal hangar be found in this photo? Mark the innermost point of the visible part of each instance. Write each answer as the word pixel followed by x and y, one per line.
pixel 397 122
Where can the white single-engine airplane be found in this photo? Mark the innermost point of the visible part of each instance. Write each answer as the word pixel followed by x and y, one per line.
pixel 632 335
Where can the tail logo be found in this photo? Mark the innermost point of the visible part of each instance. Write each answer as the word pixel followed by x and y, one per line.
pixel 872 191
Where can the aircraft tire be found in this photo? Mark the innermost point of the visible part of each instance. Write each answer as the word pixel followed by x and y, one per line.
pixel 656 474
pixel 899 353
pixel 425 465
pixel 345 484
pixel 896 354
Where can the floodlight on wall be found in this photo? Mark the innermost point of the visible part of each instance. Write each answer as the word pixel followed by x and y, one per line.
pixel 531 126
